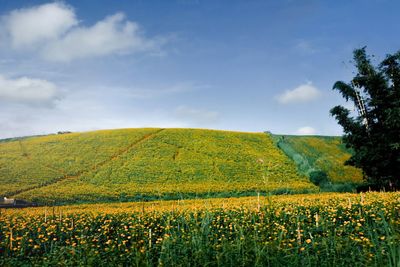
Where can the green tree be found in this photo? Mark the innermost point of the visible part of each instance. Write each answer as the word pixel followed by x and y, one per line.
pixel 319 178
pixel 373 134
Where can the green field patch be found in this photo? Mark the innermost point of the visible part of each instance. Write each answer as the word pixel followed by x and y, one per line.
pixel 320 153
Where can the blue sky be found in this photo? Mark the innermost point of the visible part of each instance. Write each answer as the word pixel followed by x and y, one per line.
pixel 232 65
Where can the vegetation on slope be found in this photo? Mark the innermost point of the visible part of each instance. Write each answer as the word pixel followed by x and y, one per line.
pixel 134 164
pixel 38 161
pixel 320 153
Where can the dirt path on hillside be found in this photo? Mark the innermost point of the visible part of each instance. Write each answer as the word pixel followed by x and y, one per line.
pixel 93 168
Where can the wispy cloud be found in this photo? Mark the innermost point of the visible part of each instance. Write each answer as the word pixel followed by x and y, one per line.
pixel 197 116
pixel 54 32
pixel 306 130
pixel 301 94
pixel 144 93
pixel 305 47
pixel 28 91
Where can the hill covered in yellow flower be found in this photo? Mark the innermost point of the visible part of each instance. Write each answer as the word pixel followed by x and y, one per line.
pixel 146 164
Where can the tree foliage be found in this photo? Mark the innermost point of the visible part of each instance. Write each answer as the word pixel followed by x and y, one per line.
pixel 373 134
pixel 319 178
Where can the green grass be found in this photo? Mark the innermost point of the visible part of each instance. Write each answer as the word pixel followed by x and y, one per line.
pixel 322 153
pixel 131 164
pixel 302 230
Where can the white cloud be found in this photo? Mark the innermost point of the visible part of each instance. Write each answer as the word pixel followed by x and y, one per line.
pixel 197 116
pixel 301 94
pixel 31 26
pixel 53 31
pixel 306 130
pixel 144 93
pixel 28 91
pixel 112 35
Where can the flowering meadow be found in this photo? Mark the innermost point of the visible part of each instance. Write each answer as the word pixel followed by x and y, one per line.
pixel 149 198
pixel 293 230
pixel 145 164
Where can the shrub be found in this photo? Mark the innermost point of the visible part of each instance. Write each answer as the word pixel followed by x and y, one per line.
pixel 319 178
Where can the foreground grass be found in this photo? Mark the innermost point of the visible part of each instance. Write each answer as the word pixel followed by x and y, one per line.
pixel 310 230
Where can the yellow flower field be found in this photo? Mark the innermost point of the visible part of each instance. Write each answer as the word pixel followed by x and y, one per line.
pixel 311 230
pixel 140 164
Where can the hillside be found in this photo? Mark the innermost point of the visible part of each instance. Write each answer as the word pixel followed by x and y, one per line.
pixel 323 153
pixel 133 164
